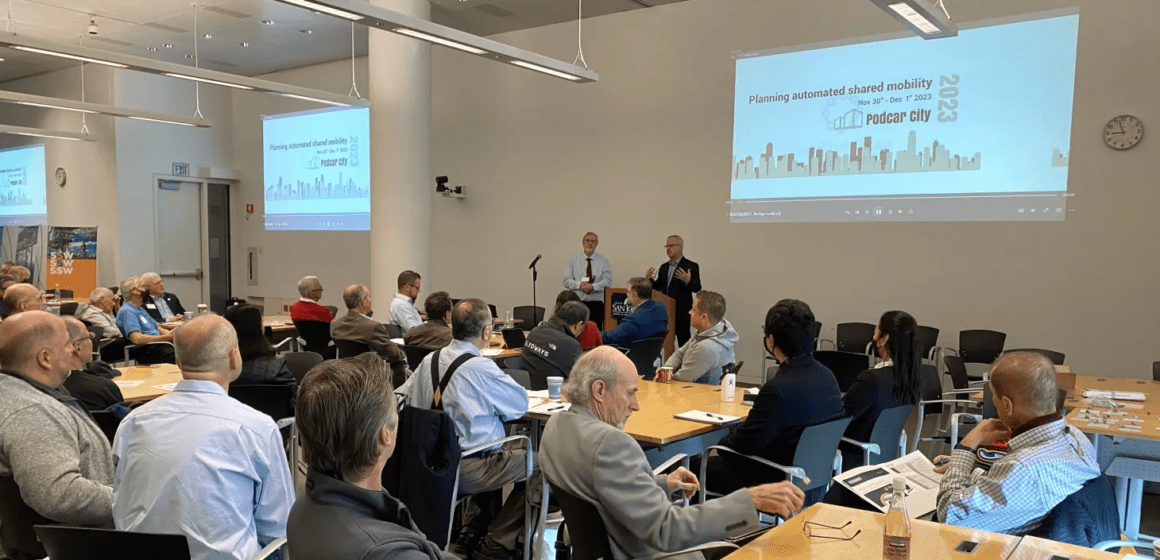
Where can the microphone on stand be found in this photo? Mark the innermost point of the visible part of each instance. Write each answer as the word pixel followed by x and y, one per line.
pixel 534 261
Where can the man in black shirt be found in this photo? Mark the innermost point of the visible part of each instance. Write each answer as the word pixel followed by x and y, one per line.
pixel 93 391
pixel 552 348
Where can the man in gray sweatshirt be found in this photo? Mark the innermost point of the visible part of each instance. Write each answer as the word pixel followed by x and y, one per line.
pixel 49 445
pixel 700 359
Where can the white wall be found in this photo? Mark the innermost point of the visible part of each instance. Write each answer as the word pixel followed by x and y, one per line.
pixel 644 153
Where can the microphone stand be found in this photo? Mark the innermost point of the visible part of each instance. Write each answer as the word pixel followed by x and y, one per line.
pixel 535 276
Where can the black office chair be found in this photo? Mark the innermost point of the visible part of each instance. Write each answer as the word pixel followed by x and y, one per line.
pixel 845 365
pixel 84 543
pixel 854 337
pixel 16 521
pixel 69 308
pixel 332 309
pixel 935 402
pixel 300 362
pixel 394 331
pixel 980 346
pixel 494 312
pixel 1056 358
pixel 531 316
pixel 514 362
pixel 887 439
pixel 415 354
pixel 273 400
pixel 351 348
pixel 107 421
pixel 523 378
pixel 644 354
pixel 928 338
pixel 137 353
pixel 1155 371
pixel 316 335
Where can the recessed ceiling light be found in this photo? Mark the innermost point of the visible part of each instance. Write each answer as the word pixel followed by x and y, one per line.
pixel 151 49
pixel 244 44
pixel 168 45
pixel 268 21
pixel 1 60
pixel 189 56
pixel 305 31
pixel 207 36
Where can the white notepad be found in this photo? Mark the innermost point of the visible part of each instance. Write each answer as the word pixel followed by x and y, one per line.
pixel 706 417
pixel 166 387
pixel 550 408
pixel 1116 395
pixel 491 351
pixel 125 383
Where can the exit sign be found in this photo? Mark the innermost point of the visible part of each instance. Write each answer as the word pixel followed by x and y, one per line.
pixel 181 169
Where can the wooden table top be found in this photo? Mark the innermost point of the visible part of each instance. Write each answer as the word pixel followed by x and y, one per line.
pixel 497 343
pixel 928 541
pixel 1147 411
pixel 150 377
pixel 277 323
pixel 654 422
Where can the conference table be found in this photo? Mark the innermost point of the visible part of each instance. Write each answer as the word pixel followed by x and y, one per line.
pixel 928 540
pixel 149 382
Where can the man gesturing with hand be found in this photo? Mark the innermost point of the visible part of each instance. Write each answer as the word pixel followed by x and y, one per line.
pixel 585 452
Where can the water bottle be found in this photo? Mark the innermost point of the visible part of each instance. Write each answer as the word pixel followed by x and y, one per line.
pixel 896 535
pixel 507 320
pixel 728 386
pixel 56 292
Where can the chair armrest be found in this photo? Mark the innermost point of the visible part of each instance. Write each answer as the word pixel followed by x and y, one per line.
pixel 960 415
pixel 869 447
pixel 525 440
pixel 285 422
pixel 1121 544
pixel 284 342
pixel 832 343
pixel 791 472
pixel 949 401
pixel 270 548
pixel 668 464
pixel 701 547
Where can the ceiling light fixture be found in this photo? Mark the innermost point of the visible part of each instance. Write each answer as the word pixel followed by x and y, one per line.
pixel 172 69
pixel 306 31
pixel 151 49
pixel 97 108
pixel 375 17
pixel 244 44
pixel 268 22
pixel 930 20
pixel 168 45
pixel 43 133
pixel 207 36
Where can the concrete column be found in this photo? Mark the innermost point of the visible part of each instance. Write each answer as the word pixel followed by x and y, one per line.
pixel 401 180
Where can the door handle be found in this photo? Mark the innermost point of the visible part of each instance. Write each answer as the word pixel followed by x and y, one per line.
pixel 196 274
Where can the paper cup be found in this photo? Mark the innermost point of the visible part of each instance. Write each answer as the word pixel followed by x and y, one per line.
pixel 554 384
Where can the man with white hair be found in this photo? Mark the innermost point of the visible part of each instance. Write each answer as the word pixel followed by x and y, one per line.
pixel 199 463
pixel 100 312
pixel 138 327
pixel 307 308
pixel 585 452
pixel 163 307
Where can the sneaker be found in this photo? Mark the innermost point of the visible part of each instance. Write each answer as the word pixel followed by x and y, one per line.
pixel 465 545
pixel 491 550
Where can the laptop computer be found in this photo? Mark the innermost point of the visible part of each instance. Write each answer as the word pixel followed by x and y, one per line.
pixel 513 338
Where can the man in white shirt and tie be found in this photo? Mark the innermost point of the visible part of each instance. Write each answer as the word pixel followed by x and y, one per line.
pixel 588 274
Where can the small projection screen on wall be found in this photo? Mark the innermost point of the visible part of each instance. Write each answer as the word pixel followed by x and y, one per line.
pixel 969 128
pixel 23 185
pixel 317 169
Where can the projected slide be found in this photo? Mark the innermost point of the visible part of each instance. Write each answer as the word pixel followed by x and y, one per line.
pixel 22 186
pixel 970 128
pixel 317 170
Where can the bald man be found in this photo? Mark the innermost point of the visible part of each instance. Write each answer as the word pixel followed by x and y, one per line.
pixel 23 297
pixel 1047 459
pixel 199 463
pixel 91 382
pixel 49 445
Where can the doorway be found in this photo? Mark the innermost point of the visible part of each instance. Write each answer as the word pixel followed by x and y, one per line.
pixel 193 240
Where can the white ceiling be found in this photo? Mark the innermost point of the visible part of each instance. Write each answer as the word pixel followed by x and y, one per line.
pixel 137 26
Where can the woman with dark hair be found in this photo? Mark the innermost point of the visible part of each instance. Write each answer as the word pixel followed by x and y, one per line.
pixel 259 364
pixel 893 382
pixel 590 338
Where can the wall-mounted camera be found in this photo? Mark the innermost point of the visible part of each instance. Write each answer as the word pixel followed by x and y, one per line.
pixel 449 192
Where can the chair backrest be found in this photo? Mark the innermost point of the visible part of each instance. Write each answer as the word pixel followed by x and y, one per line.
pixel 332 309
pixel 68 308
pixel 494 313
pixel 1060 400
pixel 1056 358
pixel 585 526
pixel 531 316
pixel 989 410
pixel 853 337
pixel 415 354
pixel 1155 371
pixel 930 387
pixel 644 354
pixel 520 376
pixel 16 521
pixel 66 293
pixel 1085 518
pixel 273 400
pixel 928 338
pixel 816 449
pixel 423 471
pixel 107 421
pixel 887 432
pixel 300 362
pixel 317 336
pixel 958 371
pixel 981 346
pixel 351 348
pixel 845 365
pixel 84 543
pixel 394 331
pixel 514 362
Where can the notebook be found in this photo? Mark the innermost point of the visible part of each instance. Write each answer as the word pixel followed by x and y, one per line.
pixel 1116 395
pixel 706 417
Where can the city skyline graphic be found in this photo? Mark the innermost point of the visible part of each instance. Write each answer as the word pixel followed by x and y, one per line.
pixel 1058 158
pixel 860 160
pixel 15 198
pixel 317 190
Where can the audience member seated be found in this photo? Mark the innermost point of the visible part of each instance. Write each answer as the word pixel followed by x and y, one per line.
pixel 23 297
pixel 585 452
pixel 22 274
pixel 347 422
pixel 162 306
pixel 701 358
pixel 50 446
pixel 307 308
pixel 1047 460
pixel 260 366
pixel 646 319
pixel 403 312
pixel 100 312
pixel 551 348
pixel 138 327
pixel 435 332
pixel 480 397
pixel 357 326
pixel 95 391
pixel 199 463
pixel 803 393
pixel 6 281
pixel 590 338
pixel 5 267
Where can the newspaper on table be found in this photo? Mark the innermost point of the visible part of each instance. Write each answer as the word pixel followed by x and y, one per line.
pixel 873 483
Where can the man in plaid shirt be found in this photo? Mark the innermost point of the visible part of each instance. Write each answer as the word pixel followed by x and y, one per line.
pixel 1047 459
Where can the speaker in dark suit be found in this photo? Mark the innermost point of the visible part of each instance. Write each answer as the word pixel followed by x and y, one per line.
pixel 671 283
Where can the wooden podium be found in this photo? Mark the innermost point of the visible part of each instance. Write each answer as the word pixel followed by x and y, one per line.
pixel 670 304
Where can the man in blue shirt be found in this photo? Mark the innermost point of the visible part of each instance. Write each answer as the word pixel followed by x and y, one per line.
pixel 648 318
pixel 140 328
pixel 403 312
pixel 588 274
pixel 199 463
pixel 480 397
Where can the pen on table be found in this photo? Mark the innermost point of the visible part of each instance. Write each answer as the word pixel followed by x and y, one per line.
pixel 713 416
pixel 561 407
